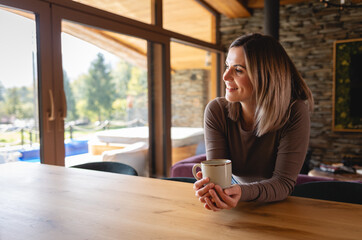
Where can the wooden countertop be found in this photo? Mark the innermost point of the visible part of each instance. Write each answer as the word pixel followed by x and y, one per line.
pixel 49 202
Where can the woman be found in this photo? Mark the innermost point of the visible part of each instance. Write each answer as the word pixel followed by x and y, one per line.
pixel 262 124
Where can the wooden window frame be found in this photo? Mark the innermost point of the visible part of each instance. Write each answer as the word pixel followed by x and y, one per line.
pixel 49 24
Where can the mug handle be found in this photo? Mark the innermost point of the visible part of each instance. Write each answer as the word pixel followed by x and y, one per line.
pixel 194 170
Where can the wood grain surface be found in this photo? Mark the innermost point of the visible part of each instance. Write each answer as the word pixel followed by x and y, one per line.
pixel 40 201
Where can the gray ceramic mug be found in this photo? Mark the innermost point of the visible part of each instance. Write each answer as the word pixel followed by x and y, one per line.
pixel 217 170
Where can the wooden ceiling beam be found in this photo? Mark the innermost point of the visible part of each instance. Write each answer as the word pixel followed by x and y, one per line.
pixel 208 7
pixel 241 8
pixel 260 3
pixel 230 8
pixel 119 45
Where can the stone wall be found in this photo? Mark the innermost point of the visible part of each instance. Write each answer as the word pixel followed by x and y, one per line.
pixel 307 31
pixel 189 97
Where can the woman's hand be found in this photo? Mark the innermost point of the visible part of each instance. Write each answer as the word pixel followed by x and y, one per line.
pixel 214 197
pixel 223 199
pixel 201 189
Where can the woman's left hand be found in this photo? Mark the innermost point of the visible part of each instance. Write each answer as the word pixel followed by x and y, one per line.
pixel 222 199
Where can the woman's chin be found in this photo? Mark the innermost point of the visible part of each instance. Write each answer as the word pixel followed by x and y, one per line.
pixel 231 98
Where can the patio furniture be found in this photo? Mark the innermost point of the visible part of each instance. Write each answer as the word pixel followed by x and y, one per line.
pixel 185 140
pixel 134 155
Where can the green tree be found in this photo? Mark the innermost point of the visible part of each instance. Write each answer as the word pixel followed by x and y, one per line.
pixel 71 107
pixel 2 91
pixel 137 93
pixel 25 94
pixel 99 88
pixel 120 108
pixel 26 110
pixel 136 85
pixel 19 102
pixel 78 86
pixel 12 99
pixel 122 75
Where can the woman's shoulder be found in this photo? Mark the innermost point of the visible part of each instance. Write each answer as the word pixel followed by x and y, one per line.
pixel 299 115
pixel 299 107
pixel 217 104
pixel 216 108
pixel 219 101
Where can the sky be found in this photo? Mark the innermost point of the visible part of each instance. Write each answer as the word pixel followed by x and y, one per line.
pixel 17 42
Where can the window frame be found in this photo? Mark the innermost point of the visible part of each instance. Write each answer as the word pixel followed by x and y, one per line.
pixel 50 14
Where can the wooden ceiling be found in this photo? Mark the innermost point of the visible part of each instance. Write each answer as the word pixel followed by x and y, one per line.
pixel 241 8
pixel 188 17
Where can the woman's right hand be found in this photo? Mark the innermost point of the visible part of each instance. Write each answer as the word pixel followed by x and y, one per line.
pixel 215 198
pixel 202 188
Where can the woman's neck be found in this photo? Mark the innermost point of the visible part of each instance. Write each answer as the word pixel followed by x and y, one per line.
pixel 248 116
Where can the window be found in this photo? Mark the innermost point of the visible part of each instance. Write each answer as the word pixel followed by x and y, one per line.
pixel 192 84
pixel 19 114
pixel 106 89
pixel 128 63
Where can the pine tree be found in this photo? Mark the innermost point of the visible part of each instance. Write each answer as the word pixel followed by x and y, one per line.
pixel 99 89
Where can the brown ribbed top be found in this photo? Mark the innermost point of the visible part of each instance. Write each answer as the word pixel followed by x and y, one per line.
pixel 266 167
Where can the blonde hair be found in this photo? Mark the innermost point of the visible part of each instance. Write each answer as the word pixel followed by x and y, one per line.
pixel 276 82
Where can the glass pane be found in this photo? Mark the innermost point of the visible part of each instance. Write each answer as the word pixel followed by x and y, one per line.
pixel 139 10
pixel 19 121
pixel 192 87
pixel 105 81
pixel 188 17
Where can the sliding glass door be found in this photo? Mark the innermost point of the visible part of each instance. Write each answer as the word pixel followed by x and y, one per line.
pixel 102 77
pixel 19 116
pixel 91 81
pixel 25 131
pixel 106 92
pixel 79 87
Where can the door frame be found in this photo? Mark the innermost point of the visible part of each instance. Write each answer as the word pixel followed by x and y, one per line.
pixel 41 11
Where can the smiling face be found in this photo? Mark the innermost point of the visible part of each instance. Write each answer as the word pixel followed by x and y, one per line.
pixel 238 84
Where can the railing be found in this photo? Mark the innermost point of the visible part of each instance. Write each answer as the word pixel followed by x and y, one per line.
pixel 104 126
pixel 30 135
